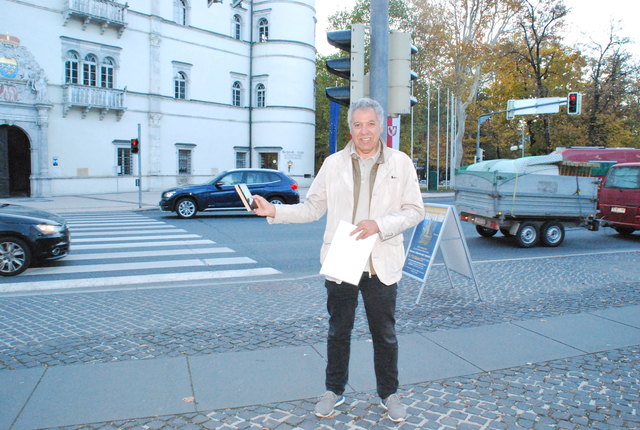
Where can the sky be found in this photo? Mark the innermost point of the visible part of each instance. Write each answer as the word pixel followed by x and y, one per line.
pixel 587 19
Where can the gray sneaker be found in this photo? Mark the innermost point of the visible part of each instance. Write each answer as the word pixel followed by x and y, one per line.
pixel 395 409
pixel 328 401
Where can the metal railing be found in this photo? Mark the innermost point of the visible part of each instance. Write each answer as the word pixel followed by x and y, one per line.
pixel 106 9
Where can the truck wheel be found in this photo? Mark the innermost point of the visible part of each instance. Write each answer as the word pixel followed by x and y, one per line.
pixel 552 233
pixel 527 235
pixel 485 231
pixel 624 231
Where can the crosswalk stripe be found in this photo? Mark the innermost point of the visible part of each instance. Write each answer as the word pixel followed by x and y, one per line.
pixel 100 223
pixel 125 232
pixel 119 239
pixel 110 267
pixel 125 227
pixel 135 280
pixel 142 244
pixel 141 254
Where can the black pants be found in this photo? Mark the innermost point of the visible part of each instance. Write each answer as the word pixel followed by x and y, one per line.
pixel 380 306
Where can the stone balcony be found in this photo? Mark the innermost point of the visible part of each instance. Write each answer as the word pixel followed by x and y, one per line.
pixel 106 13
pixel 87 98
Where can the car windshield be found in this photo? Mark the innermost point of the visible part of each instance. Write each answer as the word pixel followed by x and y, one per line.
pixel 623 177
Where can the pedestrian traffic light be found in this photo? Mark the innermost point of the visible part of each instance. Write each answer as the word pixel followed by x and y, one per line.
pixel 400 73
pixel 574 103
pixel 135 146
pixel 351 68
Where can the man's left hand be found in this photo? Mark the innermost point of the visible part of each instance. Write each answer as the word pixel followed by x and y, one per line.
pixel 366 228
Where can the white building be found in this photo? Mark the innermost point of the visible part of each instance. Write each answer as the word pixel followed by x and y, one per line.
pixel 77 77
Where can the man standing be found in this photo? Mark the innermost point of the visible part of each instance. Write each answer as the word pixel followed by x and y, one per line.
pixel 376 188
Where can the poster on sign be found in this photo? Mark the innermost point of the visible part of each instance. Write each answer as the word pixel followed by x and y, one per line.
pixel 440 230
pixel 393 132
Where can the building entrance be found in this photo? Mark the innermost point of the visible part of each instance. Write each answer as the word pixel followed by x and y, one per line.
pixel 15 162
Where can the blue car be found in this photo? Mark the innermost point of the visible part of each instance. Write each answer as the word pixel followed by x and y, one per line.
pixel 220 194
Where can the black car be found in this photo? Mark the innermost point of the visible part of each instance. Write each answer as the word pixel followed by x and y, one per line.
pixel 29 235
pixel 220 193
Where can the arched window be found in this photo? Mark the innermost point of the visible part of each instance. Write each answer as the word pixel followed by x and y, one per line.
pixel 235 93
pixel 180 11
pixel 90 71
pixel 237 27
pixel 180 85
pixel 263 30
pixel 261 95
pixel 72 68
pixel 106 73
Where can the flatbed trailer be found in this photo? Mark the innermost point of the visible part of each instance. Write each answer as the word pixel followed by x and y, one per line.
pixel 532 208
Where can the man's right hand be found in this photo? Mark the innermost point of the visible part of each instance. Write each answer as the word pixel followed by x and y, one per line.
pixel 264 207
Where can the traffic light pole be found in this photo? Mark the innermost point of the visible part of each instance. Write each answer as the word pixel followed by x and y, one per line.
pixel 139 173
pixel 379 53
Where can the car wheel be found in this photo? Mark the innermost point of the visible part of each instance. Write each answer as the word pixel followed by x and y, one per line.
pixel 486 231
pixel 276 200
pixel 186 208
pixel 552 233
pixel 527 235
pixel 625 231
pixel 15 256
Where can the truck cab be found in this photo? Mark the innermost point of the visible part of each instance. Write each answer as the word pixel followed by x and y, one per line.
pixel 619 198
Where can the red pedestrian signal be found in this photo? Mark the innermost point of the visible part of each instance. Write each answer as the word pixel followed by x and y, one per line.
pixel 135 146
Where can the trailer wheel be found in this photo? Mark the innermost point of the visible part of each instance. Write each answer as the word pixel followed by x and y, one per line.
pixel 506 231
pixel 486 231
pixel 527 235
pixel 552 233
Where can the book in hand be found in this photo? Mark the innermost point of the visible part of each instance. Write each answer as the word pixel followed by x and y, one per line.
pixel 347 257
pixel 245 196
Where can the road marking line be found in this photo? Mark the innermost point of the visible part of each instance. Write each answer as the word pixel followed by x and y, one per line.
pixel 142 244
pixel 111 267
pixel 158 253
pixel 126 227
pixel 119 239
pixel 125 232
pixel 134 280
pixel 100 223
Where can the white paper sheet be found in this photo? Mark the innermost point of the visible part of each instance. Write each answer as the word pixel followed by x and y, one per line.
pixel 347 257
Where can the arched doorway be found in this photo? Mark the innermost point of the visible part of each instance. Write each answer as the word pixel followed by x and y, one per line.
pixel 15 170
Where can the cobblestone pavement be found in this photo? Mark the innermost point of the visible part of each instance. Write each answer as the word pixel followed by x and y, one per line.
pixel 589 391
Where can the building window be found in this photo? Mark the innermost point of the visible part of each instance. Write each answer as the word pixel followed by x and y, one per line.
pixel 90 71
pixel 269 160
pixel 241 159
pixel 124 161
pixel 180 86
pixel 180 11
pixel 236 93
pixel 263 30
pixel 106 73
pixel 237 27
pixel 72 68
pixel 184 161
pixel 261 95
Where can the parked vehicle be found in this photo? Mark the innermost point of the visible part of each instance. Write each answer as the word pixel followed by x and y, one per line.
pixel 532 203
pixel 28 236
pixel 619 198
pixel 219 194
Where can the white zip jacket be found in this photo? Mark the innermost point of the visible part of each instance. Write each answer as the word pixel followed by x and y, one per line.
pixel 396 205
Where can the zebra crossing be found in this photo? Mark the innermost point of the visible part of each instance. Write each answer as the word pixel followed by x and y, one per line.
pixel 119 249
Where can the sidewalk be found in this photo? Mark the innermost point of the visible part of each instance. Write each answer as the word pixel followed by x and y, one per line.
pixel 115 202
pixel 106 392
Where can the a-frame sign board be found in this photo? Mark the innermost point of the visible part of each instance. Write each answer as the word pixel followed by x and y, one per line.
pixel 440 230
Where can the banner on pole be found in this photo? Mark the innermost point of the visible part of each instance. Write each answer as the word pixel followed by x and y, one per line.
pixel 393 132
pixel 334 117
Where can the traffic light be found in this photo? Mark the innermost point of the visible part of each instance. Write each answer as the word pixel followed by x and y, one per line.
pixel 574 103
pixel 400 73
pixel 135 146
pixel 351 68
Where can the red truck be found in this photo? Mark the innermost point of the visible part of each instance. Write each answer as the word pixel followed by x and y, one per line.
pixel 619 198
pixel 619 193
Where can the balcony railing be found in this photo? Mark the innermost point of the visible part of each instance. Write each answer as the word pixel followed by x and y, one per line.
pixel 87 98
pixel 104 12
